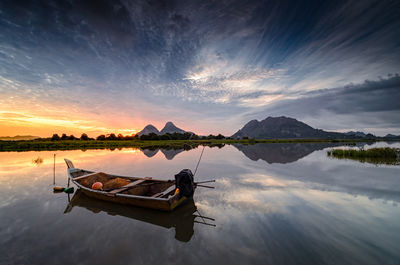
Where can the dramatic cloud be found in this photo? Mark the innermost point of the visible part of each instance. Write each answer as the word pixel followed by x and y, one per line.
pixel 372 104
pixel 207 65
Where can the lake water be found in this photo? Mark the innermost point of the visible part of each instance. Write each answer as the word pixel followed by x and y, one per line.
pixel 272 204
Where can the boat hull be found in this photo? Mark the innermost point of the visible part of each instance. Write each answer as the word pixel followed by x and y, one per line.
pixel 145 202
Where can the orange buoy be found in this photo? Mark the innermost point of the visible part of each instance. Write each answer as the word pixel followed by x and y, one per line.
pixel 97 186
pixel 58 188
pixel 176 191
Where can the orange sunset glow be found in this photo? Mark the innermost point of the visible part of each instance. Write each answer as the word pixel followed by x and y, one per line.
pixel 40 124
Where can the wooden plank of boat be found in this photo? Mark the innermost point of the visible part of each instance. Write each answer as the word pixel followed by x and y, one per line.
pixel 162 194
pixel 85 176
pixel 130 185
pixel 69 163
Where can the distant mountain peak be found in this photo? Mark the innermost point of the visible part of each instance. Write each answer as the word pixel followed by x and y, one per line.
pixel 168 128
pixel 358 134
pixel 149 129
pixel 171 128
pixel 18 137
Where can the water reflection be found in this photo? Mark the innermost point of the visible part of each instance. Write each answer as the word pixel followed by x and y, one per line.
pixel 149 152
pixel 37 161
pixel 282 153
pixel 168 153
pixel 316 210
pixel 182 219
pixel 171 153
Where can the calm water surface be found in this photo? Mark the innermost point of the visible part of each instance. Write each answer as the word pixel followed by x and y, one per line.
pixel 272 204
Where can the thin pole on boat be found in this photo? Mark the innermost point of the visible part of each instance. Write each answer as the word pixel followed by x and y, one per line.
pixel 54 170
pixel 205 186
pixel 199 160
pixel 206 181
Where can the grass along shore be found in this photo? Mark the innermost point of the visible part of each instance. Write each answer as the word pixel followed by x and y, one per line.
pixel 49 145
pixel 384 155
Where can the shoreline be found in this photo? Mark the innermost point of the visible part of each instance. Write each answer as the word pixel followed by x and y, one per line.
pixel 48 145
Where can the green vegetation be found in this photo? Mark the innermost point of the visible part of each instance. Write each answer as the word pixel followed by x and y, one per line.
pixel 147 137
pixel 374 155
pixel 113 141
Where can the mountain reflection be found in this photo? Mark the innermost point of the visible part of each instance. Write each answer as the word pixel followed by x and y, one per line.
pixel 149 152
pixel 182 219
pixel 171 153
pixel 168 153
pixel 281 153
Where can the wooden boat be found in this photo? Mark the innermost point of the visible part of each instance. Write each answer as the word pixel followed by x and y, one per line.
pixel 138 191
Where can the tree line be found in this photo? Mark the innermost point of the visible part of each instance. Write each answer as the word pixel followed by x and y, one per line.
pixel 151 136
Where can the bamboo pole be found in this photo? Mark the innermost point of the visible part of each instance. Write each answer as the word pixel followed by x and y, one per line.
pixel 54 170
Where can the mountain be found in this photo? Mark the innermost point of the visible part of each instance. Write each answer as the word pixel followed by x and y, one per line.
pixel 283 128
pixel 148 129
pixel 168 128
pixel 171 128
pixel 357 134
pixel 392 136
pixel 18 137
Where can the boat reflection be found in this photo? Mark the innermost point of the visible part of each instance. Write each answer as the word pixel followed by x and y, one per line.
pixel 182 219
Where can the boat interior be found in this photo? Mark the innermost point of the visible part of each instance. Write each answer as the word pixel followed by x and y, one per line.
pixel 147 187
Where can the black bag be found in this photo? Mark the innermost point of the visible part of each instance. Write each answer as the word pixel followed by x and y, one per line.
pixel 185 183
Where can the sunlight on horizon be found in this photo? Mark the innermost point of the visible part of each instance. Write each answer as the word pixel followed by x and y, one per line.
pixel 25 124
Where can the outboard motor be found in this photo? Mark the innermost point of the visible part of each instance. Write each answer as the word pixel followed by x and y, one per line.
pixel 185 183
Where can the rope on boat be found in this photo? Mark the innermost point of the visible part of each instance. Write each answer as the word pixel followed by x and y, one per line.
pixel 199 161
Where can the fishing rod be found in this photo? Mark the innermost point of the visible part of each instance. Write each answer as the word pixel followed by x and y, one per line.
pixel 198 162
pixel 206 181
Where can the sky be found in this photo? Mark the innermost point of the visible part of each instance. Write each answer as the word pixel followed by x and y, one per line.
pixel 209 66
